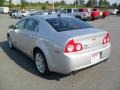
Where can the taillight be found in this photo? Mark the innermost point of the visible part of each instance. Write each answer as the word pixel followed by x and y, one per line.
pixel 106 39
pixel 71 46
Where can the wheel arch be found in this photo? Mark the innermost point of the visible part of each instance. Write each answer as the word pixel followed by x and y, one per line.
pixel 44 52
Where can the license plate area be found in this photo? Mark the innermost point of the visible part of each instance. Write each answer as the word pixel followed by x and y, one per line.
pixel 95 57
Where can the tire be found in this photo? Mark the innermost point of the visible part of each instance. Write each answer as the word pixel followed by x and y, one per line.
pixel 10 43
pixel 41 63
pixel 14 17
pixel 103 16
pixel 78 17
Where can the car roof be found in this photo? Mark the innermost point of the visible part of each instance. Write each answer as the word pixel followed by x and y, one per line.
pixel 48 16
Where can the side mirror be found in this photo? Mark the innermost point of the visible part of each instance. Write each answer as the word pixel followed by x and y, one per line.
pixel 11 27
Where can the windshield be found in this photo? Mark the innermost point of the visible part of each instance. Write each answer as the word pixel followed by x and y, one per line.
pixel 67 24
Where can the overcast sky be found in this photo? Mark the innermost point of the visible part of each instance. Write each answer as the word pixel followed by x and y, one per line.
pixel 68 1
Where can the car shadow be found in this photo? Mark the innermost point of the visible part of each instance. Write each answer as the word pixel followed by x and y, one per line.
pixel 25 62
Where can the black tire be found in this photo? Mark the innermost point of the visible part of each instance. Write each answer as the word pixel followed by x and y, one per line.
pixel 77 17
pixel 41 63
pixel 14 17
pixel 103 17
pixel 10 42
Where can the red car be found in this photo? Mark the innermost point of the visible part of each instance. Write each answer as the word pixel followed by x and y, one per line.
pixel 105 13
pixel 95 14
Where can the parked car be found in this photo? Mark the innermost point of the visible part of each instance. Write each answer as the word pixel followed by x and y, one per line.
pixel 20 14
pixel 95 14
pixel 12 11
pixel 84 14
pixel 113 11
pixel 37 13
pixel 118 12
pixel 4 10
pixel 105 13
pixel 59 43
pixel 72 12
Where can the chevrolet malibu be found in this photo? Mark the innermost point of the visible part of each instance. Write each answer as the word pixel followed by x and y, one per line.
pixel 59 43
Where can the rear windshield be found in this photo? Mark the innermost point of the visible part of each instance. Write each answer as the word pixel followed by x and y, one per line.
pixel 69 10
pixel 67 23
pixel 75 10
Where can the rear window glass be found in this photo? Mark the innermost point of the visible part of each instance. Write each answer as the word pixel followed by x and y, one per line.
pixel 75 10
pixel 82 10
pixel 67 24
pixel 69 10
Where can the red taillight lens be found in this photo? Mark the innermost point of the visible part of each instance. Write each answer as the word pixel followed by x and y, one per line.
pixel 106 39
pixel 71 46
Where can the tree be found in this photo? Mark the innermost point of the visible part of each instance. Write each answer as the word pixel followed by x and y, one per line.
pixel 23 3
pixel 44 7
pixel 119 6
pixel 104 3
pixel 62 2
pixel 82 2
pixel 10 3
pixel 101 3
pixel 56 3
pixel 94 2
pixel 47 2
pixel 89 3
pixel 76 2
pixel 2 3
pixel 114 5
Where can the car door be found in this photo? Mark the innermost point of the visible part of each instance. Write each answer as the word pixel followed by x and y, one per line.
pixel 19 27
pixel 29 35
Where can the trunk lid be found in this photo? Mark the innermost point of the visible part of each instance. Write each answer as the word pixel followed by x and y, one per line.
pixel 89 38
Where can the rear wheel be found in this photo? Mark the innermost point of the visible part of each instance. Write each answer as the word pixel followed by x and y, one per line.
pixel 41 63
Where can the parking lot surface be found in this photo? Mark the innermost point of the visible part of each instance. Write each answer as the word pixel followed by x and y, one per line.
pixel 17 72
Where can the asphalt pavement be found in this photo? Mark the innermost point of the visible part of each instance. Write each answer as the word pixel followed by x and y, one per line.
pixel 18 72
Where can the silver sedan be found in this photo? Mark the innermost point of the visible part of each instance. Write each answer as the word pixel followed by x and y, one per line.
pixel 59 43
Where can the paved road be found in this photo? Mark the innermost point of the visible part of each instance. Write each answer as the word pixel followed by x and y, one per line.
pixel 17 72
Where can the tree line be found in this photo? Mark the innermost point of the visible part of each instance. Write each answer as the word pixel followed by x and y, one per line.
pixel 90 3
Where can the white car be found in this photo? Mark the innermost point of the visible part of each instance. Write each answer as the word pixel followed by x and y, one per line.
pixel 71 12
pixel 113 11
pixel 79 13
pixel 85 14
pixel 20 14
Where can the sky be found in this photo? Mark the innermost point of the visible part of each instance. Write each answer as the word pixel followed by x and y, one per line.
pixel 68 1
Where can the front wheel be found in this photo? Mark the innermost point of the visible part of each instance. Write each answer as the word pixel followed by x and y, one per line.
pixel 10 42
pixel 41 63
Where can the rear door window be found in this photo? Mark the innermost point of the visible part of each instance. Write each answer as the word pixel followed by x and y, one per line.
pixel 20 24
pixel 31 25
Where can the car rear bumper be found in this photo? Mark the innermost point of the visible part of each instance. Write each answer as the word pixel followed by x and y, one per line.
pixel 85 18
pixel 67 63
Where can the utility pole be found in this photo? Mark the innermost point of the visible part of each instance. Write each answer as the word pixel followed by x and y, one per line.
pixel 53 5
